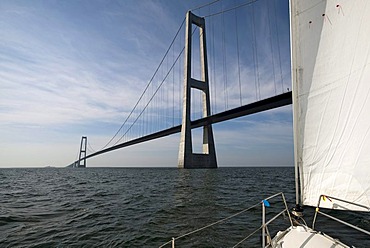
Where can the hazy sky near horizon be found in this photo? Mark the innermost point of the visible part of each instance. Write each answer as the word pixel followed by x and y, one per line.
pixel 74 68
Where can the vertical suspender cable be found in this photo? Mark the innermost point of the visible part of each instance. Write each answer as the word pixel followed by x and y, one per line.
pixel 237 48
pixel 164 120
pixel 278 43
pixel 255 56
pixel 272 51
pixel 168 107
pixel 158 100
pixel 214 69
pixel 179 95
pixel 173 86
pixel 210 65
pixel 224 68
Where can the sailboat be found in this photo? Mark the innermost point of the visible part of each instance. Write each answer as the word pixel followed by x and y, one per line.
pixel 330 61
pixel 330 54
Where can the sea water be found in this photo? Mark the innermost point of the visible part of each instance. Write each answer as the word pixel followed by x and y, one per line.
pixel 144 207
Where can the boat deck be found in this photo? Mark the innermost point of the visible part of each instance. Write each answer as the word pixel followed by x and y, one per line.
pixel 302 236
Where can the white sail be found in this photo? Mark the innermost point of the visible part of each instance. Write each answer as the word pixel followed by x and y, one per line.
pixel 331 98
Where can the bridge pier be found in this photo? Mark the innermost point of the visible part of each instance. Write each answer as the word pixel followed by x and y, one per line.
pixel 187 159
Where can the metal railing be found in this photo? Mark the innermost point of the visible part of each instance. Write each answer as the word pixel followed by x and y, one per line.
pixel 336 219
pixel 264 226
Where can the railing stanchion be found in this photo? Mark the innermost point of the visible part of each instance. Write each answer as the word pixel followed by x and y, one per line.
pixel 287 209
pixel 263 225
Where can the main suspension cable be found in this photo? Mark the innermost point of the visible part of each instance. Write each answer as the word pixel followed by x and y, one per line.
pixel 147 86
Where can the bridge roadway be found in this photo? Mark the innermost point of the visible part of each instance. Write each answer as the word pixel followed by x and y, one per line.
pixel 252 108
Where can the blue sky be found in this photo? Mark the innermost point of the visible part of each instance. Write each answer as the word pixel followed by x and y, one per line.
pixel 73 68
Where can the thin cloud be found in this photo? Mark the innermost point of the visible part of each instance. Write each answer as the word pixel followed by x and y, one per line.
pixel 73 68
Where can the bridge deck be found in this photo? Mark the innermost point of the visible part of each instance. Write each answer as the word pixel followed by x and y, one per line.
pixel 252 108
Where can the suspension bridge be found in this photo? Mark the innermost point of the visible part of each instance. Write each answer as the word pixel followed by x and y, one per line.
pixel 214 70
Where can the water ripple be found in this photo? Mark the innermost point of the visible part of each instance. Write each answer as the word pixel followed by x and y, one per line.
pixel 108 207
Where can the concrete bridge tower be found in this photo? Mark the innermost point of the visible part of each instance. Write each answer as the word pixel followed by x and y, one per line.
pixel 188 159
pixel 81 163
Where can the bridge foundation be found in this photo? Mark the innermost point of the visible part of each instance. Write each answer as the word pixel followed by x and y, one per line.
pixel 81 163
pixel 188 159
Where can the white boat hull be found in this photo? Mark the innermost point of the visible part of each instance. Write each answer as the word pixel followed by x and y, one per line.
pixel 303 236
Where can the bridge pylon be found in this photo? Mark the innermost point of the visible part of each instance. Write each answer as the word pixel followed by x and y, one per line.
pixel 188 159
pixel 81 163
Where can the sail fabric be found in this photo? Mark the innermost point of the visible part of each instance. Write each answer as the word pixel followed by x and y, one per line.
pixel 331 99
